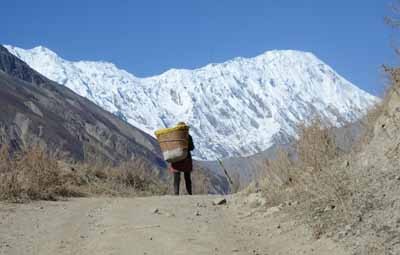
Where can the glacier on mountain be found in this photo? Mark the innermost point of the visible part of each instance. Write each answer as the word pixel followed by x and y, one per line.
pixel 236 108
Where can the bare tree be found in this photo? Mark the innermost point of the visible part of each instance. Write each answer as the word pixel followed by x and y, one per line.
pixel 394 21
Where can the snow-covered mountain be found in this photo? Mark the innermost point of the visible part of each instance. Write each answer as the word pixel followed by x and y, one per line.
pixel 236 108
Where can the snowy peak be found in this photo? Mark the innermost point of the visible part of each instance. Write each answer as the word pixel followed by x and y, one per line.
pixel 236 108
pixel 37 52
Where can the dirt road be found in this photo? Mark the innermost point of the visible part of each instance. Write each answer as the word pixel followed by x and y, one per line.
pixel 153 225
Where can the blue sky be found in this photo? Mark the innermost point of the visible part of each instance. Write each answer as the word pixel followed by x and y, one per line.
pixel 149 37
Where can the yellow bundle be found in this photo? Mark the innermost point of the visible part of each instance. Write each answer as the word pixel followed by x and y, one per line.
pixel 164 131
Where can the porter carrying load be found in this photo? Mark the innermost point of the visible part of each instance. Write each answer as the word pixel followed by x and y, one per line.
pixel 174 142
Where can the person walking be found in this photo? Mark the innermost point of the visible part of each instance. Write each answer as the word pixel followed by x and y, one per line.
pixel 185 166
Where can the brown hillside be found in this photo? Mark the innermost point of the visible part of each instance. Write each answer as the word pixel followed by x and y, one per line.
pixel 35 110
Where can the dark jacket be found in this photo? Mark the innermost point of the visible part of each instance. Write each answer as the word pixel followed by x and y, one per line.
pixel 185 165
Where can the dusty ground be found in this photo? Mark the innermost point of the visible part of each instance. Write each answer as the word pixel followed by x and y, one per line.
pixel 182 225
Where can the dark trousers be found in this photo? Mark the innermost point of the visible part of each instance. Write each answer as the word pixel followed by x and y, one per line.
pixel 177 182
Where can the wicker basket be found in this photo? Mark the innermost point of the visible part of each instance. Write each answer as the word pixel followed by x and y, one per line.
pixel 174 142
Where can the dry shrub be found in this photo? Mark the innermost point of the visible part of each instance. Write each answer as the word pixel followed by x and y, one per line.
pixel 31 174
pixel 137 177
pixel 369 121
pixel 281 165
pixel 233 179
pixel 307 175
pixel 235 186
pixel 278 178
pixel 367 125
pixel 9 179
pixel 317 179
pixel 200 182
pixel 4 159
pixel 393 96
pixel 131 178
pixel 316 145
pixel 35 175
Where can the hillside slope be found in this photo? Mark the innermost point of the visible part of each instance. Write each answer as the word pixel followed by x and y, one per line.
pixel 355 197
pixel 237 108
pixel 35 110
pixel 376 174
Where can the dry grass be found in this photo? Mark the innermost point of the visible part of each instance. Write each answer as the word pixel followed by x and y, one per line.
pixel 367 124
pixel 316 145
pixel 307 175
pixel 278 178
pixel 28 175
pixel 131 178
pixel 311 178
pixel 200 182
pixel 335 189
pixel 235 186
pixel 34 175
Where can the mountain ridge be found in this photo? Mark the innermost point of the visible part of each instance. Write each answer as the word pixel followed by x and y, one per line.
pixel 236 108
